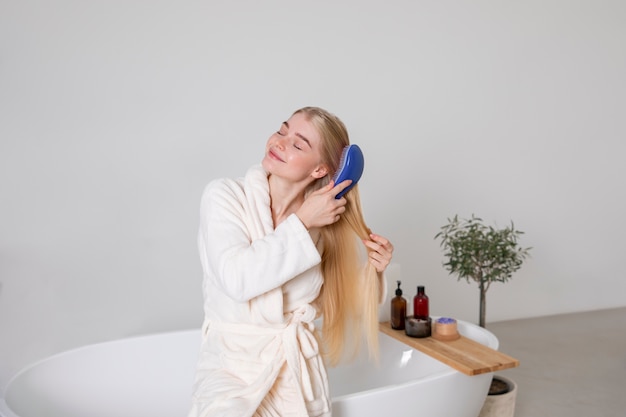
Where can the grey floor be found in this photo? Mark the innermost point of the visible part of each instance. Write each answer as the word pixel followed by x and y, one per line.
pixel 571 365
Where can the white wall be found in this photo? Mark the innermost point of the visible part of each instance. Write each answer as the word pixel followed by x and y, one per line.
pixel 115 114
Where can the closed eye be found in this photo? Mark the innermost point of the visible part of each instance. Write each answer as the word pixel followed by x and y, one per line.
pixel 283 129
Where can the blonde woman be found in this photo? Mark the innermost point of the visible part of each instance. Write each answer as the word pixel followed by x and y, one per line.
pixel 278 250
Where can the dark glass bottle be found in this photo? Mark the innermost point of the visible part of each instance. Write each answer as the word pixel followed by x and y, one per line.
pixel 420 304
pixel 398 310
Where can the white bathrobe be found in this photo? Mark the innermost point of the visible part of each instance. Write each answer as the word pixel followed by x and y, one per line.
pixel 258 356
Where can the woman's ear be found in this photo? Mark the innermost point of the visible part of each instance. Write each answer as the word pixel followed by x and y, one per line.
pixel 320 171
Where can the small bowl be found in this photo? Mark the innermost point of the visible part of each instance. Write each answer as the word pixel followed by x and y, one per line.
pixel 417 327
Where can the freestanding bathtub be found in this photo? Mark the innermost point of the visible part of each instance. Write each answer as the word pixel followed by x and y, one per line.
pixel 151 376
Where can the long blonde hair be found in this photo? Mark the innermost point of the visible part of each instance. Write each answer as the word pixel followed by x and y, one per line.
pixel 350 295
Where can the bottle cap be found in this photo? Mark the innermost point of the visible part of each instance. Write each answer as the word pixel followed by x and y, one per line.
pixel 398 290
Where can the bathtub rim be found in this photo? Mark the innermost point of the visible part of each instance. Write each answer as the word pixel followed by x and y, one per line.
pixel 492 340
pixel 5 410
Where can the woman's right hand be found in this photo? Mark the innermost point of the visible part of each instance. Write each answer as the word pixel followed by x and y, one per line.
pixel 321 208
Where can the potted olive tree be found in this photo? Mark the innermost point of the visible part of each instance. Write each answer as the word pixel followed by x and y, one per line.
pixel 481 253
pixel 484 254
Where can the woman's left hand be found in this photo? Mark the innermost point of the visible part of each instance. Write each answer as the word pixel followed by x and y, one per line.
pixel 381 251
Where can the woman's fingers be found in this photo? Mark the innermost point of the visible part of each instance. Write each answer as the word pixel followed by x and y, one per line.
pixel 340 187
pixel 381 251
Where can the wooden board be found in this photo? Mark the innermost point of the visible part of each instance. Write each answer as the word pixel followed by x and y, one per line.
pixel 465 355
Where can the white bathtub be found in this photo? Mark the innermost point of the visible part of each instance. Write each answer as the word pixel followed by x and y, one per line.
pixel 151 376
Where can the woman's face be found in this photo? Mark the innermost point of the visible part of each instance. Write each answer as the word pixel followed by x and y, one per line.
pixel 293 152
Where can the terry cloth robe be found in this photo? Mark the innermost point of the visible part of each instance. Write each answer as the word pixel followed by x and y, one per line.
pixel 258 355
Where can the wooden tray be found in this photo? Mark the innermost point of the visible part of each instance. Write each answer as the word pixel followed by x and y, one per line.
pixel 463 354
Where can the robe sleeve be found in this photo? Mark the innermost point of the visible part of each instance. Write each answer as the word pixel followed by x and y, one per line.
pixel 243 267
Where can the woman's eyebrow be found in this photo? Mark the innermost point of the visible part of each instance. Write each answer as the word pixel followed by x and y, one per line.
pixel 308 142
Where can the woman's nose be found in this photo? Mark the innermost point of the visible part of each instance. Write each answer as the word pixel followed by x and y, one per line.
pixel 281 142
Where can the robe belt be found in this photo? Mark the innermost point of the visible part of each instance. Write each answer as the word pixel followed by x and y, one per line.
pixel 296 339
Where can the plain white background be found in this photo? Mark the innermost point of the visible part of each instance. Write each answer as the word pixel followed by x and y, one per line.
pixel 115 114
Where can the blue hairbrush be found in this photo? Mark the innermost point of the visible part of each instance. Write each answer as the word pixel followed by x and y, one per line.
pixel 350 167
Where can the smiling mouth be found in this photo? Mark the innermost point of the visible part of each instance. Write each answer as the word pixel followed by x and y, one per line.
pixel 275 156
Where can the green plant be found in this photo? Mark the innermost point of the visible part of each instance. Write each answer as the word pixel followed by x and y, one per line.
pixel 481 253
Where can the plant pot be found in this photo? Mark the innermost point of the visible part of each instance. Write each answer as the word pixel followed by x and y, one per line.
pixel 498 403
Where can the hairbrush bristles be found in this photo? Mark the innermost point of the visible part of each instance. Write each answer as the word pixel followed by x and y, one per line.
pixel 350 167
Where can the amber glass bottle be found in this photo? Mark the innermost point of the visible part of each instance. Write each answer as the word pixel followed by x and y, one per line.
pixel 398 310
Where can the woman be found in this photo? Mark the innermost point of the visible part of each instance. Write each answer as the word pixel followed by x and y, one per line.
pixel 278 250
